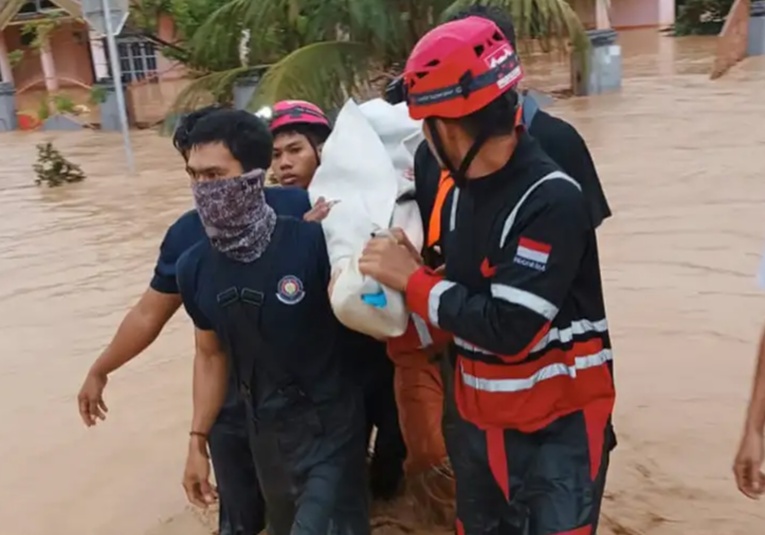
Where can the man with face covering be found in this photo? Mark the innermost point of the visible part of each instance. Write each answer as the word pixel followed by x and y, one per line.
pixel 257 293
pixel 241 509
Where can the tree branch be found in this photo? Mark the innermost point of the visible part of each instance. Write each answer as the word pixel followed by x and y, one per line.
pixel 153 37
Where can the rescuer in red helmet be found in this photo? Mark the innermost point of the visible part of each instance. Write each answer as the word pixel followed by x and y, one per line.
pixel 301 129
pixel 520 296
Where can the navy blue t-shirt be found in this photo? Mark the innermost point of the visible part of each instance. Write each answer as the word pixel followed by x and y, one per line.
pixel 296 319
pixel 188 230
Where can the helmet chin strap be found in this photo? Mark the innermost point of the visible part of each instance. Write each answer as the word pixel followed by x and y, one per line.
pixel 459 175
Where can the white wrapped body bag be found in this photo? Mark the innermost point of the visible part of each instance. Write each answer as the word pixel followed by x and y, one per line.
pixel 366 166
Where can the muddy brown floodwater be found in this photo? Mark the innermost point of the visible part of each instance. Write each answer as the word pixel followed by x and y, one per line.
pixel 682 161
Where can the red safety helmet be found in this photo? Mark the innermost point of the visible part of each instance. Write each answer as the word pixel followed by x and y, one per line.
pixel 297 112
pixel 458 68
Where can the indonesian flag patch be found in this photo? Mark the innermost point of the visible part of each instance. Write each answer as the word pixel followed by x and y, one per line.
pixel 532 254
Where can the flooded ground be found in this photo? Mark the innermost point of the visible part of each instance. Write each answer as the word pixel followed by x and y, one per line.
pixel 681 158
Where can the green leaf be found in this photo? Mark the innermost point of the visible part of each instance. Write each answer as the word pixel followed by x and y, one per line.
pixel 326 50
pixel 553 25
pixel 324 73
pixel 208 89
pixel 553 20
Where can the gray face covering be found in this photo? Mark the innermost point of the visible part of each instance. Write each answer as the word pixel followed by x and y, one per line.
pixel 235 215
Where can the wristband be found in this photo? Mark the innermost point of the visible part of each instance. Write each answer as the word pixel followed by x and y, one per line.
pixel 198 434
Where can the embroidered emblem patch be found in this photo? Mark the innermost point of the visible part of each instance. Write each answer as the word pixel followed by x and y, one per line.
pixel 290 290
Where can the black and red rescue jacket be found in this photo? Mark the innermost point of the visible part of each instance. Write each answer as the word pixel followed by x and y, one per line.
pixel 521 298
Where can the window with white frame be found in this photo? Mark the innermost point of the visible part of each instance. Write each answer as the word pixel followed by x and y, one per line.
pixel 138 59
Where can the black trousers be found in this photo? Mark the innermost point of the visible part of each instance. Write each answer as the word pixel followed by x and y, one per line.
pixel 312 467
pixel 242 509
pixel 549 482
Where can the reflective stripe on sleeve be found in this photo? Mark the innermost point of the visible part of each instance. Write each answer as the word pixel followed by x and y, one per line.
pixel 533 302
pixel 422 331
pixel 510 220
pixel 434 300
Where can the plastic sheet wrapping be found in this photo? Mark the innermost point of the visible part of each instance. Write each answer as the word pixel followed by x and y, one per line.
pixel 367 167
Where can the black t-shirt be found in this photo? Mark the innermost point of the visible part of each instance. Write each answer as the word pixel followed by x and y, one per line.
pixel 295 319
pixel 558 139
pixel 565 146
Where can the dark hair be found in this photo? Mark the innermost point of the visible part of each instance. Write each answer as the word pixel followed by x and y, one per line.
pixel 184 127
pixel 496 118
pixel 500 17
pixel 316 133
pixel 246 136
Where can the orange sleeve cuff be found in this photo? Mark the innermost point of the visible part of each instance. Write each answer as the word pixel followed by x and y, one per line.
pixel 418 289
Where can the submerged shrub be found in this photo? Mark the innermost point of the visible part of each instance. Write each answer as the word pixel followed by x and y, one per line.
pixel 53 169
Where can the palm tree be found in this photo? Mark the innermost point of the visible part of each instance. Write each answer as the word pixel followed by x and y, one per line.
pixel 325 50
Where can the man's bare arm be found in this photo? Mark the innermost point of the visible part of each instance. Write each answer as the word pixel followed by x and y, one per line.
pixel 209 393
pixel 139 328
pixel 210 381
pixel 747 465
pixel 755 418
